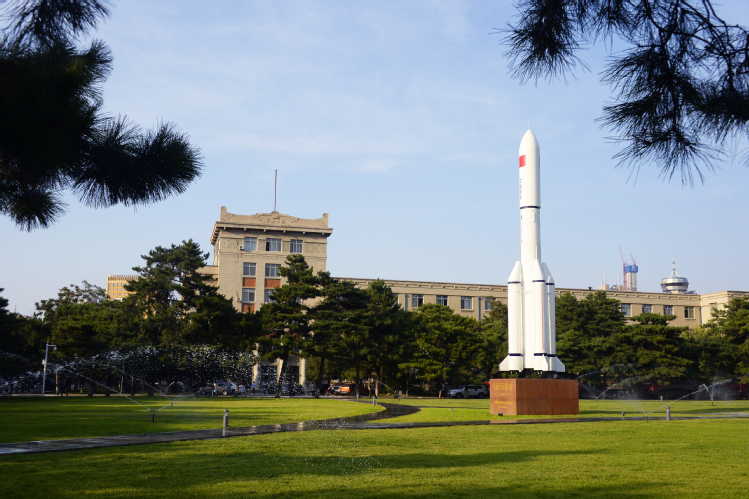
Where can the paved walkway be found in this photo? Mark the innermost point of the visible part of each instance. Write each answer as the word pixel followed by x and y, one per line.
pixel 365 422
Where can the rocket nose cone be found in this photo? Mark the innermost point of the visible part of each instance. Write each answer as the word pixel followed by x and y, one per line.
pixel 529 140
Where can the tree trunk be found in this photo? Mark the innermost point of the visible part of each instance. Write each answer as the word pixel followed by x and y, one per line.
pixel 107 381
pixel 377 382
pixel 279 375
pixel 319 377
pixel 57 383
pixel 91 388
pixel 357 380
pixel 132 386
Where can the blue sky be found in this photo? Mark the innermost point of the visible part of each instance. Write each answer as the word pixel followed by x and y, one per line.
pixel 399 119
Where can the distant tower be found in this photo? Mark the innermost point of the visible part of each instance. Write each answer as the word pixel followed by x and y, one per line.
pixel 674 284
pixel 630 275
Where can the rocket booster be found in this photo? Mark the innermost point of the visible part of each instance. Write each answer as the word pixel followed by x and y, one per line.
pixel 531 334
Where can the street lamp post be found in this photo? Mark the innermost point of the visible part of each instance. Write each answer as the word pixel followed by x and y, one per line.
pixel 46 354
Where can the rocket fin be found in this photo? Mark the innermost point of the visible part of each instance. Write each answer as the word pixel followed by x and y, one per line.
pixel 554 363
pixel 538 298
pixel 514 360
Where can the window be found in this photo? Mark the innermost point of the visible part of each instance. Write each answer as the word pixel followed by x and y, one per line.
pixel 466 303
pixel 713 306
pixel 266 296
pixel 272 244
pixel 248 269
pixel 627 309
pixel 647 309
pixel 689 312
pixel 668 310
pixel 488 303
pixel 271 270
pixel 296 246
pixel 250 243
pixel 417 301
pixel 441 300
pixel 248 295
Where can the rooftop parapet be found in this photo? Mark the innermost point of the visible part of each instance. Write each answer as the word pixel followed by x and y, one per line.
pixel 270 221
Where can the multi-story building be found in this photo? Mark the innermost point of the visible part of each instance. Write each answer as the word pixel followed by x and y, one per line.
pixel 248 252
pixel 471 299
pixel 116 286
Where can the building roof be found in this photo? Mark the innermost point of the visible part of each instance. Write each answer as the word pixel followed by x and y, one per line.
pixel 270 221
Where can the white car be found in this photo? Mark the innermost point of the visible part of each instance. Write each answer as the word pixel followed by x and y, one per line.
pixel 468 391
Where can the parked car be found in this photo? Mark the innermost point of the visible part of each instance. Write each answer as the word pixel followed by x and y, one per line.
pixel 222 388
pixel 468 391
pixel 347 390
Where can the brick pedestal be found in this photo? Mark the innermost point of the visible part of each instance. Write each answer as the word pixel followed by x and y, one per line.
pixel 514 397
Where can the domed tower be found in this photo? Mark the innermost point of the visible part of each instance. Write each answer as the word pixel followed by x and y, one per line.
pixel 674 284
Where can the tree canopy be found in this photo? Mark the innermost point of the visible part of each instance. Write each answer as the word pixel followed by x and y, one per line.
pixel 175 326
pixel 172 305
pixel 681 79
pixel 54 135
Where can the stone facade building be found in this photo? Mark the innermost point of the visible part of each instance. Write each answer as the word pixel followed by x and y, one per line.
pixel 248 251
pixel 115 286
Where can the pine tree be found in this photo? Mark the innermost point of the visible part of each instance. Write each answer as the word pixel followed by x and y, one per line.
pixel 286 324
pixel 651 348
pixel 388 331
pixel 338 316
pixel 732 323
pixel 584 329
pixel 54 135
pixel 445 344
pixel 681 79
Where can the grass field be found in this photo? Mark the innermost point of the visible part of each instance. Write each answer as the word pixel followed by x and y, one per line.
pixel 478 410
pixel 35 418
pixel 622 459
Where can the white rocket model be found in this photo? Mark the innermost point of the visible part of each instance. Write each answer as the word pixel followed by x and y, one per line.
pixel 531 334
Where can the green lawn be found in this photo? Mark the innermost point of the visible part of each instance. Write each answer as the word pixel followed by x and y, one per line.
pixel 35 418
pixel 478 410
pixel 622 459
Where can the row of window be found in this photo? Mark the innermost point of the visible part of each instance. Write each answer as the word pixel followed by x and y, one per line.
pixel 648 309
pixel 248 295
pixel 273 244
pixel 249 269
pixel 466 302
